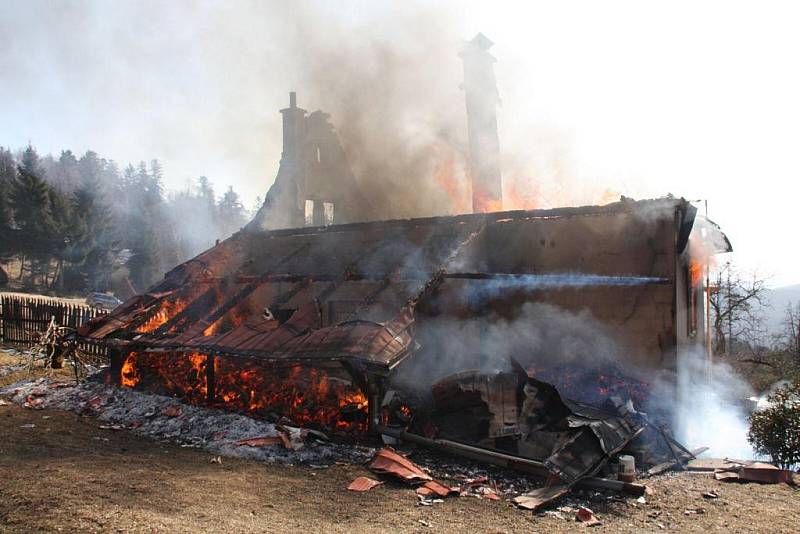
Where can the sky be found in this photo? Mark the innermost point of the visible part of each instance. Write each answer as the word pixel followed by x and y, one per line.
pixel 599 99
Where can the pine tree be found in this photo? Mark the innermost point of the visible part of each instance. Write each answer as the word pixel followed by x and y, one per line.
pixel 232 214
pixel 65 175
pixel 205 192
pixel 93 241
pixel 8 176
pixel 31 201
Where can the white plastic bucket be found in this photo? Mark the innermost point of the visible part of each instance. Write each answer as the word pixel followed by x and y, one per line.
pixel 627 468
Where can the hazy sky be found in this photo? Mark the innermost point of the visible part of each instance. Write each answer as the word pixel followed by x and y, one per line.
pixel 698 99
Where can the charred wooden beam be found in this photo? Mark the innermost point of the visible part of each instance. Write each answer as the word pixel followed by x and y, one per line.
pixel 508 461
pixel 374 395
pixel 117 357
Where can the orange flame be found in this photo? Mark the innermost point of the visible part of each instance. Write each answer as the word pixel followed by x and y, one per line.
pixel 308 396
pixel 130 374
pixel 229 321
pixel 166 310
pixel 445 175
pixel 697 270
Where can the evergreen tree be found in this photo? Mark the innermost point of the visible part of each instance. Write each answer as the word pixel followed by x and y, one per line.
pixel 232 214
pixel 82 211
pixel 90 167
pixel 8 176
pixel 65 175
pixel 205 192
pixel 93 241
pixel 31 200
pixel 143 263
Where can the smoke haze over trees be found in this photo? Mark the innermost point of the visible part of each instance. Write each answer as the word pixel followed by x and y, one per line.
pixel 82 223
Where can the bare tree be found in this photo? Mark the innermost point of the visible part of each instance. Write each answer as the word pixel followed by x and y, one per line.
pixel 736 302
pixel 791 332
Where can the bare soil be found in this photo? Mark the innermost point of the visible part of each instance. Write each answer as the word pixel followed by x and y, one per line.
pixel 66 474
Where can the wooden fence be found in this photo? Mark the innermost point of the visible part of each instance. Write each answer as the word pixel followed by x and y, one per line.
pixel 22 317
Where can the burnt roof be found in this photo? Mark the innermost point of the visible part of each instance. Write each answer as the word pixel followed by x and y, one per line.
pixel 342 292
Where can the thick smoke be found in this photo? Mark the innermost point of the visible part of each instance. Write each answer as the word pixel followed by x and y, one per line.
pixel 709 409
pixel 198 86
pixel 540 335
pixel 395 101
pixel 704 405
pixel 503 283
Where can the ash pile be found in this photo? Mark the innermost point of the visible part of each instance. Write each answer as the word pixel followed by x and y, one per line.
pixel 166 418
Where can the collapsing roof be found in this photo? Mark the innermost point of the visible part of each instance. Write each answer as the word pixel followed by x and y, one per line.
pixel 350 292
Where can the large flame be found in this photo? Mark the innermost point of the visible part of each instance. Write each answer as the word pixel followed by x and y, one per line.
pixel 444 172
pixel 167 309
pixel 130 373
pixel 697 270
pixel 236 317
pixel 308 396
pixel 175 374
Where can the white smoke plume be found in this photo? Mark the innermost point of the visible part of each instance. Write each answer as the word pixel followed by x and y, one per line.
pixel 707 405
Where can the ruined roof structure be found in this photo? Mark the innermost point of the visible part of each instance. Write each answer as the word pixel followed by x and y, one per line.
pixel 357 292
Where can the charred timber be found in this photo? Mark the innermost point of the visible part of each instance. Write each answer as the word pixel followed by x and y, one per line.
pixel 509 461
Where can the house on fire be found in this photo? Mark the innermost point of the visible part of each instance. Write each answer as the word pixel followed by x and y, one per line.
pixel 309 313
pixel 356 301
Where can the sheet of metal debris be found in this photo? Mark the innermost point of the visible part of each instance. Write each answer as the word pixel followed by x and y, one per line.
pixel 363 484
pixel 388 462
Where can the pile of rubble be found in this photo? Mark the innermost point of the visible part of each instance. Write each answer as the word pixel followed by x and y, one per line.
pixel 571 448
pixel 166 418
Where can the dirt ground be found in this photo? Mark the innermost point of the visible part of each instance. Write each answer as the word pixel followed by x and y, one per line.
pixel 65 474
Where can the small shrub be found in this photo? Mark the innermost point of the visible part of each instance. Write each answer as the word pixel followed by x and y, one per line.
pixel 775 431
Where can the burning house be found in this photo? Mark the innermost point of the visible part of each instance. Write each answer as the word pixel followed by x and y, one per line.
pixel 356 302
pixel 347 325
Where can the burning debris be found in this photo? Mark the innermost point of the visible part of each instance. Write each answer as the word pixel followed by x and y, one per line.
pixel 162 417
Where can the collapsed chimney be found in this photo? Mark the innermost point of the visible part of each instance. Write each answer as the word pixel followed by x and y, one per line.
pixel 480 87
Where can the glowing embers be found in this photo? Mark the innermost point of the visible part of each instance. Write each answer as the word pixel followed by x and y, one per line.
pixel 593 386
pixel 309 396
pixel 166 310
pixel 176 374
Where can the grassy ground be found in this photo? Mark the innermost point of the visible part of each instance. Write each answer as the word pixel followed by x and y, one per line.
pixel 65 474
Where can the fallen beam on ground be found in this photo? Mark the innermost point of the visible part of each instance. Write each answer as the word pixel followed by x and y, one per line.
pixel 508 461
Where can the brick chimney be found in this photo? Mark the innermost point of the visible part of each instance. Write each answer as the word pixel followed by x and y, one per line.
pixel 480 88
pixel 293 128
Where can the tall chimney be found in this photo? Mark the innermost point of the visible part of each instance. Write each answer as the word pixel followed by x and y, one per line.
pixel 480 88
pixel 292 127
pixel 292 159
